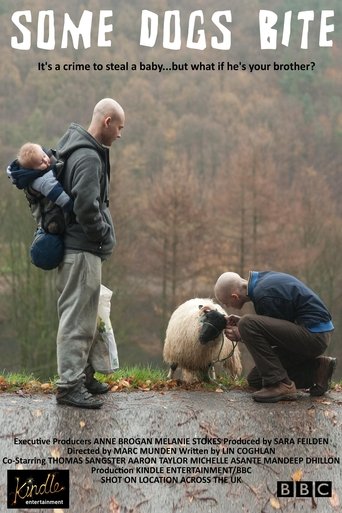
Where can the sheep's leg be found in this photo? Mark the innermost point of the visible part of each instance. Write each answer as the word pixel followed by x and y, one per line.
pixel 172 369
pixel 212 372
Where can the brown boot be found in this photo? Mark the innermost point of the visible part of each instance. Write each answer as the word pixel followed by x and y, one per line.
pixel 323 374
pixel 277 392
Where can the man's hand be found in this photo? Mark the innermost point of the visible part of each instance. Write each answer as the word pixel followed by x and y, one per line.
pixel 232 331
pixel 233 320
pixel 233 334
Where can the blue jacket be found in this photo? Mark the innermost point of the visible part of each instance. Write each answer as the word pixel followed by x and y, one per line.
pixel 283 296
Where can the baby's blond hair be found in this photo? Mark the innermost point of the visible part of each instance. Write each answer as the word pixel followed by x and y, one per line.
pixel 28 154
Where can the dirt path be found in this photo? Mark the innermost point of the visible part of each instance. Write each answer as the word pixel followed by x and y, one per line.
pixel 177 451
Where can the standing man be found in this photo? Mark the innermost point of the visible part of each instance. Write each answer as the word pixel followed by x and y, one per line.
pixel 89 239
pixel 291 329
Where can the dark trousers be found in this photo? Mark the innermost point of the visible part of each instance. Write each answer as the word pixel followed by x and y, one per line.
pixel 281 349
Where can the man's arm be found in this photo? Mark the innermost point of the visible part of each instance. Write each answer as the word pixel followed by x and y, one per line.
pixel 85 191
pixel 232 331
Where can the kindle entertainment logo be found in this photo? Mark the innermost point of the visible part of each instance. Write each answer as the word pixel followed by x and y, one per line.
pixel 38 489
pixel 304 489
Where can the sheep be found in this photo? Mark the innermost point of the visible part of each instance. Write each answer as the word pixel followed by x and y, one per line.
pixel 185 348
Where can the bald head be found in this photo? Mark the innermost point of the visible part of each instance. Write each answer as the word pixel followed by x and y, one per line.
pixel 107 107
pixel 231 290
pixel 107 121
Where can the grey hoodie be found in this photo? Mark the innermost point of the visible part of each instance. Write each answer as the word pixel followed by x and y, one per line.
pixel 85 179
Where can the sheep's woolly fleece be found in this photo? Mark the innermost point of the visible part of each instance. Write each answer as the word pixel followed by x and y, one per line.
pixel 182 347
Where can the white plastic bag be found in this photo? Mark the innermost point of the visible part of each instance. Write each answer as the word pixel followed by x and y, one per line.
pixel 104 354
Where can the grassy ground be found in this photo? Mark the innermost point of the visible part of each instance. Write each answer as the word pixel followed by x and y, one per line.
pixel 126 379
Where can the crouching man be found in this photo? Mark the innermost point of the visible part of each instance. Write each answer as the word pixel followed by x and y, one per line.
pixel 287 336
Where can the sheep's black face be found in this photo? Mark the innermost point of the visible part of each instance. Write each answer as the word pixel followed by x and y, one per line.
pixel 213 323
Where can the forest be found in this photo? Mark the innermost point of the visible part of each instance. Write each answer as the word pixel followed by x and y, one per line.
pixel 233 166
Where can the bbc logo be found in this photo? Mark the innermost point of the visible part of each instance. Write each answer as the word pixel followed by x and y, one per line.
pixel 304 489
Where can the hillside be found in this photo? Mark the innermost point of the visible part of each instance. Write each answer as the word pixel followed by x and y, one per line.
pixel 227 167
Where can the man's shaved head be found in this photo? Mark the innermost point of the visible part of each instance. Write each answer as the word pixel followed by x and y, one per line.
pixel 107 107
pixel 231 290
pixel 107 121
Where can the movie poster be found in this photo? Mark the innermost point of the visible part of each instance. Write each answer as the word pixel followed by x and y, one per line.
pixel 229 160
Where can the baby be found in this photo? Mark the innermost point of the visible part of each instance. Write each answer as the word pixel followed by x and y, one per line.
pixel 35 171
pixel 32 156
